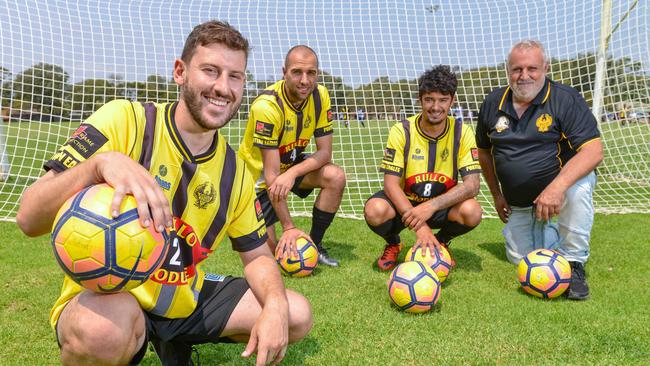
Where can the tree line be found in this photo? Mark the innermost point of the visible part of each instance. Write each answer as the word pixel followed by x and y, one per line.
pixel 44 89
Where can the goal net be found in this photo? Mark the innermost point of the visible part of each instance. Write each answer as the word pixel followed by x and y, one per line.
pixel 60 61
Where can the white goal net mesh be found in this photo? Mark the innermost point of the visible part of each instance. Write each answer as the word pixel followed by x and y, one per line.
pixel 61 60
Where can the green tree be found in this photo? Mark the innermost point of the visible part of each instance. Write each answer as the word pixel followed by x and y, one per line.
pixel 90 94
pixel 42 88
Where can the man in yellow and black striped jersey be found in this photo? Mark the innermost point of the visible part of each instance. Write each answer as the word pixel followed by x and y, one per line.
pixel 186 178
pixel 282 121
pixel 425 156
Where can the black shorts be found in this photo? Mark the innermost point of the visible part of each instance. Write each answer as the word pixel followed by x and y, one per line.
pixel 173 338
pixel 438 220
pixel 270 216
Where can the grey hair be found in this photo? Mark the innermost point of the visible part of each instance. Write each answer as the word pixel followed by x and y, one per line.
pixel 529 43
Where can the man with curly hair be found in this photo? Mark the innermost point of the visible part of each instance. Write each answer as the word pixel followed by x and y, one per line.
pixel 423 159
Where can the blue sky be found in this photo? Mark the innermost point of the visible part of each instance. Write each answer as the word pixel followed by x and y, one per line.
pixel 358 40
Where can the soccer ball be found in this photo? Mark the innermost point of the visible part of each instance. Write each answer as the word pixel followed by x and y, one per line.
pixel 439 262
pixel 414 287
pixel 304 264
pixel 99 252
pixel 544 273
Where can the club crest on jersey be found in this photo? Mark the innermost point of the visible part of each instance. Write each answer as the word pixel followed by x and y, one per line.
pixel 329 116
pixel 162 170
pixel 544 122
pixel 445 154
pixel 502 124
pixel 307 122
pixel 204 194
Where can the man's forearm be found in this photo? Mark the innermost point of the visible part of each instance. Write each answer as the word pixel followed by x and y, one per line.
pixel 396 195
pixel 282 211
pixel 42 200
pixel 487 166
pixel 264 279
pixel 585 161
pixel 459 193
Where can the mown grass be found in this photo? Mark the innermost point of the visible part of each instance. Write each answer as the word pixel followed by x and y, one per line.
pixel 482 318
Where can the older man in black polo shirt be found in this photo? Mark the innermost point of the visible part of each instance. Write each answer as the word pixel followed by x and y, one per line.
pixel 538 147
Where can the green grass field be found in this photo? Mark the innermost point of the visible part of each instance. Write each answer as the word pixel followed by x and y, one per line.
pixel 483 317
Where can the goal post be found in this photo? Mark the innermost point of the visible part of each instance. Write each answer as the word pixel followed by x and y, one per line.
pixel 60 61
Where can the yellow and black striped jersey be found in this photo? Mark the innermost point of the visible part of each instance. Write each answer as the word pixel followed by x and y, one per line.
pixel 429 166
pixel 211 195
pixel 274 123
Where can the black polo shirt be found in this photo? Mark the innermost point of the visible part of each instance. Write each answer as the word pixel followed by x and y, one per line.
pixel 530 151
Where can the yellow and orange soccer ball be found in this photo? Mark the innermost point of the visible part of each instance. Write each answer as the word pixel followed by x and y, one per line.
pixel 102 253
pixel 439 261
pixel 300 266
pixel 413 287
pixel 544 273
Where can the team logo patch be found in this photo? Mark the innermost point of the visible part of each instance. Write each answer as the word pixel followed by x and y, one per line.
pixel 329 116
pixel 162 170
pixel 502 124
pixel 544 122
pixel 204 194
pixel 418 151
pixel 474 152
pixel 264 129
pixel 445 154
pixel 389 155
pixel 86 140
pixel 307 122
pixel 258 210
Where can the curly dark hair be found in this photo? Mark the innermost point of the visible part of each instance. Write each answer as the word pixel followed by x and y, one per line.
pixel 214 31
pixel 438 79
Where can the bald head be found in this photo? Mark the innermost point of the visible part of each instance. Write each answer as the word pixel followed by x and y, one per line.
pixel 301 52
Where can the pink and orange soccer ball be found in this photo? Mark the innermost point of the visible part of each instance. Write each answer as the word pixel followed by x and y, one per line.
pixel 439 262
pixel 544 273
pixel 102 253
pixel 414 287
pixel 304 264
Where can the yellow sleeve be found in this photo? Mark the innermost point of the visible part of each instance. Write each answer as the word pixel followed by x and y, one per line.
pixel 324 124
pixel 247 229
pixel 468 153
pixel 393 160
pixel 268 121
pixel 110 128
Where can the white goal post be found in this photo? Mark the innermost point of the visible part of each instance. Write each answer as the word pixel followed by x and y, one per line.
pixel 61 60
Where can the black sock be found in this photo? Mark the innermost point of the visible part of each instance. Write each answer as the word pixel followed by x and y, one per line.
pixel 320 221
pixel 386 231
pixel 451 230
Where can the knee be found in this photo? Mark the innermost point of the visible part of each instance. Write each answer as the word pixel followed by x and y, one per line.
pixel 375 212
pixel 300 317
pixel 97 342
pixel 336 177
pixel 471 213
pixel 89 337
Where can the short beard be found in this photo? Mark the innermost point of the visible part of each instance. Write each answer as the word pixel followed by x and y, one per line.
pixel 193 102
pixel 526 97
